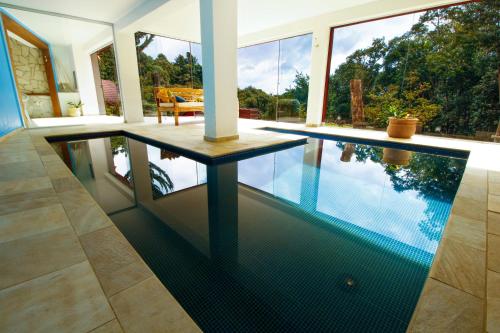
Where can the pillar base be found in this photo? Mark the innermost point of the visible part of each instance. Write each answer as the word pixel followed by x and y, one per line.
pixel 313 125
pixel 222 138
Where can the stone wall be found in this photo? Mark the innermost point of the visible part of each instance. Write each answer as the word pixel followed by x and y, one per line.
pixel 29 68
pixel 31 78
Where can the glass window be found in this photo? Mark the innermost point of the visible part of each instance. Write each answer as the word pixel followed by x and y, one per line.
pixel 59 66
pixel 258 80
pixel 273 79
pixel 166 62
pixel 440 66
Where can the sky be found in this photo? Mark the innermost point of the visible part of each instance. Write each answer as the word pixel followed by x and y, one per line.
pixel 360 193
pixel 348 39
pixel 258 64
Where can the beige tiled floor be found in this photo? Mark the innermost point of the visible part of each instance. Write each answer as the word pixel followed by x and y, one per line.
pixel 61 258
pixel 52 249
pixel 67 300
pixel 159 311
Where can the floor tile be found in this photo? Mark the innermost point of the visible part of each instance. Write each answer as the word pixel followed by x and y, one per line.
pixel 460 266
pixel 88 218
pixel 494 176
pixel 31 222
pixel 467 231
pixel 63 184
pixel 494 203
pixel 29 257
pixel 21 170
pixel 160 313
pixel 474 191
pixel 116 263
pixel 44 150
pixel 494 252
pixel 493 300
pixel 494 223
pixel 28 200
pixel 16 147
pixel 110 327
pixel 68 300
pixel 23 156
pixel 50 158
pixel 74 199
pixel 442 308
pixel 494 188
pixel 469 208
pixel 24 185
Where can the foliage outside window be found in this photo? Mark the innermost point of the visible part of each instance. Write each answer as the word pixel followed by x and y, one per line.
pixel 273 78
pixel 166 62
pixel 444 70
pixel 109 80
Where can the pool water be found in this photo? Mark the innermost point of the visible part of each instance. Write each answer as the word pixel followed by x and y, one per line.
pixel 327 236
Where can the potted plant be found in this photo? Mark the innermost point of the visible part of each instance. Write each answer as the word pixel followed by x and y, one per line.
pixel 75 109
pixel 401 124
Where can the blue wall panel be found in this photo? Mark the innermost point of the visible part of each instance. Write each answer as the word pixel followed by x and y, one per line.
pixel 10 109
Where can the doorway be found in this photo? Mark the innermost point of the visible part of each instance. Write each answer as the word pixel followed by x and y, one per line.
pixel 33 72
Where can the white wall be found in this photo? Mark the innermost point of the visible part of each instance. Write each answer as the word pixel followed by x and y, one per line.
pixel 64 63
pixel 85 80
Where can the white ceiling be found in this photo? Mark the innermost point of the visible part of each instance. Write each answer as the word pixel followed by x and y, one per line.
pixel 180 18
pixel 256 15
pixel 253 15
pixel 101 10
pixel 62 31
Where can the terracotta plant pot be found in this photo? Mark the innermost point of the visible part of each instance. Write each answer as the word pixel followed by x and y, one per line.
pixel 396 156
pixel 402 128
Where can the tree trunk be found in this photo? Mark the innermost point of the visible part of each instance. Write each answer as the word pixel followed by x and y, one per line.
pixel 358 116
pixel 347 152
pixel 496 137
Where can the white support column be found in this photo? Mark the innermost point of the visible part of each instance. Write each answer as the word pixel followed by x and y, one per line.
pixel 219 51
pixel 128 74
pixel 85 79
pixel 319 62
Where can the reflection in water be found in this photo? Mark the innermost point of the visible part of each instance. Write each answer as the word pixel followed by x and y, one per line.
pixel 347 152
pixel 396 156
pixel 324 234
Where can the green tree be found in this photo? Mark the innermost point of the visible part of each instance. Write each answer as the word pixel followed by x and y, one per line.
pixel 445 70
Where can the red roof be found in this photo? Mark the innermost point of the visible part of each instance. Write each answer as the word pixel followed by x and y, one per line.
pixel 110 90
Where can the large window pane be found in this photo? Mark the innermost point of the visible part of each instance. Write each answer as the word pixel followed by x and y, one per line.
pixel 440 66
pixel 258 79
pixel 273 79
pixel 57 70
pixel 294 70
pixel 166 62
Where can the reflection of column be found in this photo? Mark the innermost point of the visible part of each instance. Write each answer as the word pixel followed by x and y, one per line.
pixel 222 186
pixel 110 163
pixel 313 152
pixel 139 164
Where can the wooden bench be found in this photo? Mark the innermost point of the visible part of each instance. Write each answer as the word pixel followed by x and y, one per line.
pixel 166 102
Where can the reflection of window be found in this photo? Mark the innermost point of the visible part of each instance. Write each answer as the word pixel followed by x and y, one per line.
pixel 437 65
pixel 273 79
pixel 120 167
pixel 166 62
pixel 171 172
pixel 279 174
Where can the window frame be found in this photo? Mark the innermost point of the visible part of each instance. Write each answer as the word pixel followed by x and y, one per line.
pixel 332 34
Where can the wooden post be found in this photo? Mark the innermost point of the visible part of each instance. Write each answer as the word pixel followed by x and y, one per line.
pixel 496 137
pixel 347 152
pixel 358 116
